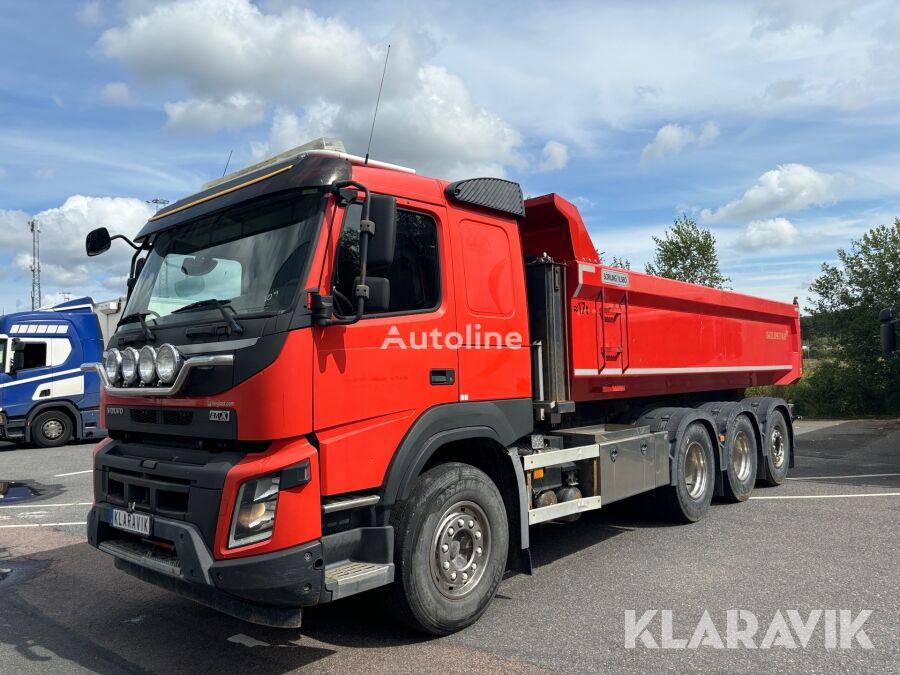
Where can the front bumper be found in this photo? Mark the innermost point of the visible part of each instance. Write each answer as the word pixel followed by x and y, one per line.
pixel 268 589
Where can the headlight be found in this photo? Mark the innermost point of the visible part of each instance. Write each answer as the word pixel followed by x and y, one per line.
pixel 168 363
pixel 130 365
pixel 147 364
pixel 112 364
pixel 254 511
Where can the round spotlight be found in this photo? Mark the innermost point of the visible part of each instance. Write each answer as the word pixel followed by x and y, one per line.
pixel 130 365
pixel 147 364
pixel 112 364
pixel 168 363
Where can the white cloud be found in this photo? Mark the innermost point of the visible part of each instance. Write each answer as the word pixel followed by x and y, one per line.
pixel 554 156
pixel 320 75
pixel 671 139
pixel 791 87
pixel 117 93
pixel 790 187
pixel 205 115
pixel 64 265
pixel 770 233
pixel 44 172
pixel 289 130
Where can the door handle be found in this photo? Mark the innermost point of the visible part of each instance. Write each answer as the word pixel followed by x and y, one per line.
pixel 439 376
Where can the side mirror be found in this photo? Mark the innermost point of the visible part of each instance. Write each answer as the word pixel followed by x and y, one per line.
pixel 888 332
pixel 382 212
pixel 379 294
pixel 98 241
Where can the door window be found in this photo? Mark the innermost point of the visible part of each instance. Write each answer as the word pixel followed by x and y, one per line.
pixel 34 355
pixel 414 275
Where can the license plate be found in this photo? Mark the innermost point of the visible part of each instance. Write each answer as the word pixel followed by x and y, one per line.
pixel 138 523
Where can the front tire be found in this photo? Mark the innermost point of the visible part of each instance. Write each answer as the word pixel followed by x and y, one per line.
pixel 695 467
pixel 778 449
pixel 51 429
pixel 451 541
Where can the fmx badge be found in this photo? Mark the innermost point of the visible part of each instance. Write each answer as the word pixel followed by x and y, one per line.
pixel 615 278
pixel 219 415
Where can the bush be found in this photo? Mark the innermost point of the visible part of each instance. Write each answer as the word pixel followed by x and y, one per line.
pixel 837 389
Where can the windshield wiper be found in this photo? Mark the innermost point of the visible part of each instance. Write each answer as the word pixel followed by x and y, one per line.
pixel 221 305
pixel 142 317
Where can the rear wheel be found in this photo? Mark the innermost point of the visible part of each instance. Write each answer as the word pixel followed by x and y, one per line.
pixel 694 470
pixel 51 429
pixel 451 544
pixel 741 454
pixel 778 449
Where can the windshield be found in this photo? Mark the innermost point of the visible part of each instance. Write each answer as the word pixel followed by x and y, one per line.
pixel 248 258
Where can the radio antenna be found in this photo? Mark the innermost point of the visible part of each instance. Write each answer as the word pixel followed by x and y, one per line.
pixel 377 101
pixel 227 161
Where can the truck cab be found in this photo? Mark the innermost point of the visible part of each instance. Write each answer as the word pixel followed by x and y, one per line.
pixel 45 398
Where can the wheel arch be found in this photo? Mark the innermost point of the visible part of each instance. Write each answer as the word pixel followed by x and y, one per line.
pixel 477 433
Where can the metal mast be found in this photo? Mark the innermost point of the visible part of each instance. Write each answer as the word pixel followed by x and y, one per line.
pixel 35 263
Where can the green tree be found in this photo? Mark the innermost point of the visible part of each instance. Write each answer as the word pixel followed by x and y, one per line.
pixel 622 263
pixel 849 296
pixel 687 253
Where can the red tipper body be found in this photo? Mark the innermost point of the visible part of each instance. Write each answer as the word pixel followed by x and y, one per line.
pixel 634 334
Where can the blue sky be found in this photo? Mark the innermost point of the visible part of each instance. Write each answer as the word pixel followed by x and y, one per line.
pixel 775 124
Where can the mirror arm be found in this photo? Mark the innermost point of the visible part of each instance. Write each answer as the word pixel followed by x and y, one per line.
pixel 126 240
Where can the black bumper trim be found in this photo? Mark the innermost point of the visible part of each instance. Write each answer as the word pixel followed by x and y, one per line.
pixel 264 615
pixel 270 582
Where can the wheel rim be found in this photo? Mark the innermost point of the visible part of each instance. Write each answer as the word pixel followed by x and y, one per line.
pixel 695 470
pixel 740 459
pixel 461 547
pixel 52 429
pixel 777 448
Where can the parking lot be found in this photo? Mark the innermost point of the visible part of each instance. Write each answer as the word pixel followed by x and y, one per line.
pixel 827 539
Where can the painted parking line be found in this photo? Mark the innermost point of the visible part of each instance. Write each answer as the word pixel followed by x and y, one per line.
pixel 849 496
pixel 41 505
pixel 858 475
pixel 8 527
pixel 74 473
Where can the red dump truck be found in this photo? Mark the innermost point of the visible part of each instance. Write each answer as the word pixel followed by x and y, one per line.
pixel 334 375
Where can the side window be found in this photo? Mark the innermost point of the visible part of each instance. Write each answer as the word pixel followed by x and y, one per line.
pixel 34 355
pixel 414 275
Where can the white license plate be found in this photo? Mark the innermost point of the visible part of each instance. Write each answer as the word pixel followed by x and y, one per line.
pixel 138 523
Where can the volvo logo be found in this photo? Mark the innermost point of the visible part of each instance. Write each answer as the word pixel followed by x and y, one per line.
pixel 110 410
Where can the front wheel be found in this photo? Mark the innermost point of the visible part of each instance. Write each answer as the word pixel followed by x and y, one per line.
pixel 51 429
pixel 451 540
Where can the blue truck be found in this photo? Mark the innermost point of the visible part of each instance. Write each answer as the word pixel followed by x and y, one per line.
pixel 45 398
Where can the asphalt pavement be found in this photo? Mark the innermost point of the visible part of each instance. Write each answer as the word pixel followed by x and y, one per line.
pixel 825 541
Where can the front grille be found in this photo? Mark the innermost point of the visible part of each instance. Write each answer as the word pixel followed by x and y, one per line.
pixel 156 416
pixel 143 416
pixel 166 496
pixel 178 417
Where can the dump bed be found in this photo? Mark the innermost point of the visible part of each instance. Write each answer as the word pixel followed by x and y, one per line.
pixel 629 334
